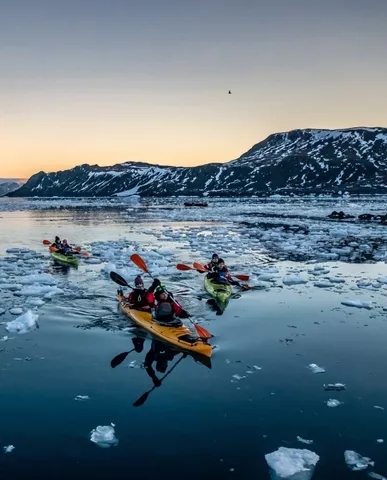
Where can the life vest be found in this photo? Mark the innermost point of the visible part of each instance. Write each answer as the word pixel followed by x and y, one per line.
pixel 164 310
pixel 139 297
pixel 222 276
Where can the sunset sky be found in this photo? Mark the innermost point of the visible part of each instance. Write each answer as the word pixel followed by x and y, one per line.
pixel 107 81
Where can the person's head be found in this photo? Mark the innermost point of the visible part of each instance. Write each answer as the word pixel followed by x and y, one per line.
pixel 57 239
pixel 138 282
pixel 215 258
pixel 161 293
pixel 221 263
pixel 64 242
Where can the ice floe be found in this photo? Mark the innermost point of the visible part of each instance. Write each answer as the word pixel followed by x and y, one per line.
pixel 333 403
pixel 356 462
pixel 23 324
pixel 357 304
pixel 292 463
pixel 303 440
pixel 8 448
pixel 315 368
pixel 104 436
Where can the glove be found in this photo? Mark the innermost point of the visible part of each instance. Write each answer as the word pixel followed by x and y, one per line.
pixel 184 314
pixel 156 382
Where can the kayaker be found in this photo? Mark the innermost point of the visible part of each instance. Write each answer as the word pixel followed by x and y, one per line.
pixel 139 298
pixel 222 275
pixel 213 263
pixel 166 308
pixel 57 244
pixel 66 249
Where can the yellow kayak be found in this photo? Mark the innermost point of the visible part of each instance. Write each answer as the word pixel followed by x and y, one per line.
pixel 180 336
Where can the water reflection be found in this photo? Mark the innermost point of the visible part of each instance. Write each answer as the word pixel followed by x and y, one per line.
pixel 157 359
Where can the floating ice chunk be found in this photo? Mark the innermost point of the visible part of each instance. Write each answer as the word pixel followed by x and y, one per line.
pixel 81 398
pixel 335 386
pixel 10 286
pixel 336 280
pixel 36 302
pixel 16 311
pixel 256 367
pixel 316 369
pixel 238 377
pixel 333 403
pixel 356 462
pixel 2 311
pixel 266 277
pixel 36 290
pixel 8 448
pixel 382 279
pixel 23 324
pixel 303 440
pixel 4 339
pixel 376 476
pixel 292 463
pixel 104 436
pixel 93 261
pixel 323 284
pixel 357 304
pixel 293 280
pixel 379 408
pixel 380 440
pixel 43 278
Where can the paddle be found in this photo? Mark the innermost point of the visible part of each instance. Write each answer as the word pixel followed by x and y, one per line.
pixel 118 359
pixel 137 260
pixel 120 280
pixel 140 401
pixel 202 268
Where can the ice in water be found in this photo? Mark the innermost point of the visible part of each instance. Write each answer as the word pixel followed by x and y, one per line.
pixel 292 463
pixel 24 323
pixel 104 436
pixel 356 462
pixel 316 369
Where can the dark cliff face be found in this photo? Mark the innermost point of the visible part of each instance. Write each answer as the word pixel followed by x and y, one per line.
pixel 300 162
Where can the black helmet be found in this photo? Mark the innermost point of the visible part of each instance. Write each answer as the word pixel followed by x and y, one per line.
pixel 215 255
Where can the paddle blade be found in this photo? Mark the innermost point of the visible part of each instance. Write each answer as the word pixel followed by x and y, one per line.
pixel 140 401
pixel 137 260
pixel 118 359
pixel 200 267
pixel 182 267
pixel 202 332
pixel 244 278
pixel 85 254
pixel 46 242
pixel 118 279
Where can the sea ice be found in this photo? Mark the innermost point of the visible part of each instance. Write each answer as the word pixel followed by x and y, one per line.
pixel 293 280
pixel 333 403
pixel 357 304
pixel 8 448
pixel 315 368
pixel 303 440
pixel 356 462
pixel 292 463
pixel 104 436
pixel 23 324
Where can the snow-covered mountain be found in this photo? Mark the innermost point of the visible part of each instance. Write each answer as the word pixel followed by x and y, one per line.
pixel 8 185
pixel 300 162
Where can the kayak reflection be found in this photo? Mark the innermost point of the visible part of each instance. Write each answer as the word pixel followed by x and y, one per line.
pixel 157 361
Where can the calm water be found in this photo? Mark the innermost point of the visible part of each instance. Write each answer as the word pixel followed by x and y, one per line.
pixel 200 423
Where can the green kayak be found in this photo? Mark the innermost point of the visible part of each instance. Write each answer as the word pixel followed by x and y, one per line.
pixel 69 259
pixel 219 291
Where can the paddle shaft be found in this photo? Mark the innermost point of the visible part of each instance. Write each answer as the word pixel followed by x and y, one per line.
pixel 141 400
